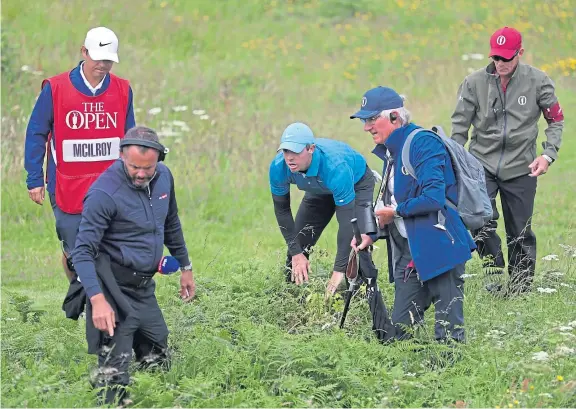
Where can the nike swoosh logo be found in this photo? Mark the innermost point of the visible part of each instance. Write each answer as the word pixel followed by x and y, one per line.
pixel 102 45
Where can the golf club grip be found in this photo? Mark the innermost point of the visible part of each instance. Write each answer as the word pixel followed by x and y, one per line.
pixel 354 222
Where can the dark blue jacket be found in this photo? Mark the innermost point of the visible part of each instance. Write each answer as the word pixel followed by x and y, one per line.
pixel 42 122
pixel 433 250
pixel 131 225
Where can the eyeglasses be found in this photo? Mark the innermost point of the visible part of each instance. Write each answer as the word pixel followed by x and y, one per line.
pixel 498 58
pixel 370 121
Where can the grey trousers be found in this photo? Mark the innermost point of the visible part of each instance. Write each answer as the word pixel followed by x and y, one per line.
pixel 413 297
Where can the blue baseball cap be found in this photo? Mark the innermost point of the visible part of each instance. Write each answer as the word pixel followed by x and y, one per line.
pixel 295 137
pixel 377 100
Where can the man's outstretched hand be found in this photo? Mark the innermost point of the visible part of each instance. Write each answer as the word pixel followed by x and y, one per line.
pixel 103 315
pixel 187 286
pixel 300 268
pixel 366 241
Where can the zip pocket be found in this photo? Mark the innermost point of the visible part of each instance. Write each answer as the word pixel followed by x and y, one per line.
pixel 443 228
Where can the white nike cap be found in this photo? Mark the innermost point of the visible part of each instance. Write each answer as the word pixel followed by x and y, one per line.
pixel 102 44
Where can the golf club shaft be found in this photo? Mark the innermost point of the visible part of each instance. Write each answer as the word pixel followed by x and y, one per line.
pixel 347 305
pixel 385 180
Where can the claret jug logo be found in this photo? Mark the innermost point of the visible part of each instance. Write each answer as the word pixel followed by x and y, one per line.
pixel 93 117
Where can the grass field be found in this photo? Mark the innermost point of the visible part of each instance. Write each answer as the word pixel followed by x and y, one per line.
pixel 253 67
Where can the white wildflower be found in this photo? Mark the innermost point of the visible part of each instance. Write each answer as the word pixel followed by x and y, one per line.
pixel 572 324
pixel 565 328
pixel 180 108
pixel 564 350
pixel 468 275
pixel 465 57
pixel 569 249
pixel 205 117
pixel 540 356
pixel 181 124
pixel 168 132
pixel 495 333
pixel 155 111
pixel 546 395
pixel 565 285
pixel 550 257
pixel 26 68
pixel 556 274
pixel 198 112
pixel 546 290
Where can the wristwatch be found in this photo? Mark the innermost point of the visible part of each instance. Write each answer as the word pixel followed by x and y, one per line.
pixel 187 268
pixel 548 158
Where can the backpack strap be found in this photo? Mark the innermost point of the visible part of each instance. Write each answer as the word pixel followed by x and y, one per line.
pixel 406 153
pixel 410 169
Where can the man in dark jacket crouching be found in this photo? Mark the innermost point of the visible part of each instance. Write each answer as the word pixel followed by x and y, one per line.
pixel 130 213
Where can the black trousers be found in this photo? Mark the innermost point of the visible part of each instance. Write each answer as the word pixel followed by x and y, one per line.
pixel 517 199
pixel 145 333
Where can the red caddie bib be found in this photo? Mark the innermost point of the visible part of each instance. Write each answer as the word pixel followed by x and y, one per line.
pixel 88 132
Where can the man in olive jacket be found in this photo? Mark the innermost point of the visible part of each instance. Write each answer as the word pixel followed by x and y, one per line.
pixel 504 102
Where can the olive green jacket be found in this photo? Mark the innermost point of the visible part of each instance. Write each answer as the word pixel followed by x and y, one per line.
pixel 506 123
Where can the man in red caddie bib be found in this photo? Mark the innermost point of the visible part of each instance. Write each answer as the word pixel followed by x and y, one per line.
pixel 80 117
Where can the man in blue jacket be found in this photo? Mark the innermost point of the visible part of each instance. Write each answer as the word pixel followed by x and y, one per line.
pixel 337 180
pixel 81 115
pixel 129 214
pixel 428 257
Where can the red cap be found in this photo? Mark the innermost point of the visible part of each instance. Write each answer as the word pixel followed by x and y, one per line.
pixel 505 42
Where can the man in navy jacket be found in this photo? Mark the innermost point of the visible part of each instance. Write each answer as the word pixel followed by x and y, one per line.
pixel 428 258
pixel 76 126
pixel 129 214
